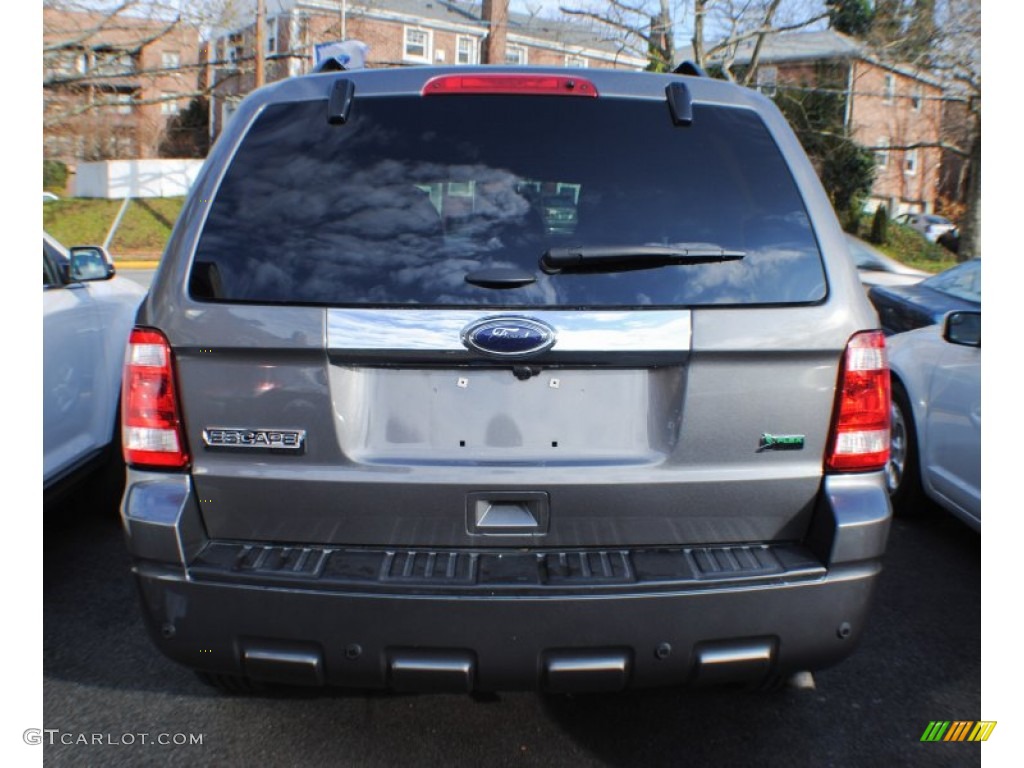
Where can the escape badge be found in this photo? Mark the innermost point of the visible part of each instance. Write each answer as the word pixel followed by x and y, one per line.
pixel 254 438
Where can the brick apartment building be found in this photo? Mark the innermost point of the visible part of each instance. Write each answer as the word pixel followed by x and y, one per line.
pixel 399 33
pixel 885 105
pixel 111 83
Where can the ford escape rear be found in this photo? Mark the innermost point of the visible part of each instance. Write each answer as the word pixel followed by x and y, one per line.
pixel 493 379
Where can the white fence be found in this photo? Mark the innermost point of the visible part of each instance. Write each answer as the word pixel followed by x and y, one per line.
pixel 136 178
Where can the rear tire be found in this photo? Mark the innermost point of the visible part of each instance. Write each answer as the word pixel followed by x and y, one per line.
pixel 903 472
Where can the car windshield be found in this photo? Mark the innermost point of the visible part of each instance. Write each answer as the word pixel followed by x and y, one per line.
pixel 962 281
pixel 398 205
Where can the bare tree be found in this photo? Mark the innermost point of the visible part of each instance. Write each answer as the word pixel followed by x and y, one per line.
pixel 745 25
pixel 116 73
pixel 648 28
pixel 96 48
pixel 642 28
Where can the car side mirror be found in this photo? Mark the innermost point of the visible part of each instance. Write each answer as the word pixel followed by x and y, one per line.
pixel 963 328
pixel 91 262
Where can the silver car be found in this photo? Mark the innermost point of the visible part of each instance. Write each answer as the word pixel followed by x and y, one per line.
pixel 88 312
pixel 387 426
pixel 931 225
pixel 936 417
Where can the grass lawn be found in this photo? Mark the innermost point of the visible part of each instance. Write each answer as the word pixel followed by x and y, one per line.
pixel 909 247
pixel 85 221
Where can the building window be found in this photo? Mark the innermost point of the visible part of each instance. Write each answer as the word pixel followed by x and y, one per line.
pixel 124 103
pixel 575 61
pixel 169 104
pixel 108 62
pixel 170 60
pixel 910 162
pixel 917 99
pixel 467 51
pixel 882 155
pixel 417 44
pixel 65 64
pixel 270 36
pixel 767 80
pixel 515 55
pixel 233 50
pixel 890 89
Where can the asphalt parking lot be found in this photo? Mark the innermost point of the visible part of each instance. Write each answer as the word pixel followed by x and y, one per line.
pixel 920 661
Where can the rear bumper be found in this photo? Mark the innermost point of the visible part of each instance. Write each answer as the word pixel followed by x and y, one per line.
pixel 371 619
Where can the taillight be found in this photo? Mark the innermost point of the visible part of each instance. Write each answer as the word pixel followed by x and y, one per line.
pixel 151 432
pixel 532 84
pixel 860 433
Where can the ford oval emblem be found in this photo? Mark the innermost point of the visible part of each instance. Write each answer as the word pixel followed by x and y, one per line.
pixel 509 336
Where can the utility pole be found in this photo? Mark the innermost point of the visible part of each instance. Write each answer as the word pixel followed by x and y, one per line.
pixel 261 14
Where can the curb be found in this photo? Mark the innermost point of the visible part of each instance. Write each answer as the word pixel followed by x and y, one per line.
pixel 136 263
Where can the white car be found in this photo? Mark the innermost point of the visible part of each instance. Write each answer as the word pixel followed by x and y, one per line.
pixel 928 224
pixel 936 417
pixel 875 268
pixel 87 315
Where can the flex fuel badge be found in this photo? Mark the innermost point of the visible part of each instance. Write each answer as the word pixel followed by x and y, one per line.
pixel 781 443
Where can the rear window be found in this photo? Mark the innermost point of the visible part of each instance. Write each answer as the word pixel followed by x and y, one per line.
pixel 398 205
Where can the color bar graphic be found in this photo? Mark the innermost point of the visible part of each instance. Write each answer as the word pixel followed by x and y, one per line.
pixel 935 731
pixel 958 730
pixel 982 730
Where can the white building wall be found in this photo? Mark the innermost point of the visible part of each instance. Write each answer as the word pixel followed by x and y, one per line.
pixel 114 179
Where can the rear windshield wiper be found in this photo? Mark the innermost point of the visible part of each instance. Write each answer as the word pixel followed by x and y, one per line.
pixel 609 258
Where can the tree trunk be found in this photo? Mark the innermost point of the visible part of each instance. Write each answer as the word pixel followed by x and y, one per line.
pixel 698 32
pixel 667 42
pixel 769 16
pixel 970 231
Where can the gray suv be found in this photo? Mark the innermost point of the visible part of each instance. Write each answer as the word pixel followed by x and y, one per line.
pixel 491 378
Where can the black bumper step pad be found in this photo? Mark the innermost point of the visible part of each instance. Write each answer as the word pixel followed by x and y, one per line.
pixel 323 567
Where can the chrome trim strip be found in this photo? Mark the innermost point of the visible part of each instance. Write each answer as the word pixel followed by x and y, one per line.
pixel 755 650
pixel 440 330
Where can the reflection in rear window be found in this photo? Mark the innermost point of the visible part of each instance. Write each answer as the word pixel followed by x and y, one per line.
pixel 398 205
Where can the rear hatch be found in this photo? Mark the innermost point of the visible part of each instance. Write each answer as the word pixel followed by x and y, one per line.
pixel 473 320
